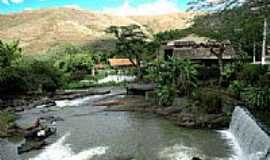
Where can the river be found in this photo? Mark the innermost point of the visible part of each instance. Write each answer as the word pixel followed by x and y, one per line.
pixel 88 132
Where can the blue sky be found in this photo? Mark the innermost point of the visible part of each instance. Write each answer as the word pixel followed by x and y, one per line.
pixel 121 7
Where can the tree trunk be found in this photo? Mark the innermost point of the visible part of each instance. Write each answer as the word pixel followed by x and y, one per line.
pixel 137 66
pixel 219 55
pixel 221 69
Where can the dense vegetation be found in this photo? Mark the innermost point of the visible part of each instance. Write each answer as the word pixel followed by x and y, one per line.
pixel 237 23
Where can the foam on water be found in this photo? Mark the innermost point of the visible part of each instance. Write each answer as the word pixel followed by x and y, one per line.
pixel 179 152
pixel 61 151
pixel 76 102
pixel 117 79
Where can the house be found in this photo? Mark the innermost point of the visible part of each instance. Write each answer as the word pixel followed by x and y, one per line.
pixel 121 63
pixel 197 49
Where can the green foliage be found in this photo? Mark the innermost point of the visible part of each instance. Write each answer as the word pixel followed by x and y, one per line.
pixel 166 95
pixel 74 63
pixel 250 73
pixel 209 101
pixel 172 76
pixel 131 43
pixel 257 98
pixel 9 53
pixel 46 75
pixel 171 34
pixel 30 75
pixel 6 120
pixel 236 87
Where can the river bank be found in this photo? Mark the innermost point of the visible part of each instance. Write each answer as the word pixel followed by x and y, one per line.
pixel 181 113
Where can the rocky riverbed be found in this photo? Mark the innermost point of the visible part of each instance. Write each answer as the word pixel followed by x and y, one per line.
pixel 128 126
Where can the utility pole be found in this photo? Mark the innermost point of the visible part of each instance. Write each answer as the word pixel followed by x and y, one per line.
pixel 264 41
pixel 254 52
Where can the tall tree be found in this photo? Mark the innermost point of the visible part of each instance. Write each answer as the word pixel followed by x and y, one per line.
pixel 131 43
pixel 9 52
pixel 256 12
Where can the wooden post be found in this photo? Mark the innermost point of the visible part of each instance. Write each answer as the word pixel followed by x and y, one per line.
pixel 264 41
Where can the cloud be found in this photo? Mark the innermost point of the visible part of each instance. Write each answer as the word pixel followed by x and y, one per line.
pixel 7 2
pixel 73 6
pixel 157 7
pixel 28 9
pixel 16 1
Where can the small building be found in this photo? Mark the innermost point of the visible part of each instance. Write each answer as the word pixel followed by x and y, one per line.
pixel 197 49
pixel 121 63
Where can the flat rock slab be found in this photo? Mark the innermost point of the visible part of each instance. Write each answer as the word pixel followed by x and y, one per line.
pixel 140 89
pixel 70 95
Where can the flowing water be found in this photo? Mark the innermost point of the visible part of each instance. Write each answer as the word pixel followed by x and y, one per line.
pixel 88 132
pixel 253 141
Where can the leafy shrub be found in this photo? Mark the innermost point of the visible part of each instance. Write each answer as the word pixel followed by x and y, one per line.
pixel 6 120
pixel 180 73
pixel 250 73
pixel 46 75
pixel 209 101
pixel 206 73
pixel 236 87
pixel 77 65
pixel 257 98
pixel 31 75
pixel 166 95
pixel 9 53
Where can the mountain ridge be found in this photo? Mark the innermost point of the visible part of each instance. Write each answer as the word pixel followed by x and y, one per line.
pixel 40 30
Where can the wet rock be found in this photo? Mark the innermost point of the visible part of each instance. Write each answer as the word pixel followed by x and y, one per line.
pixel 43 103
pixel 110 103
pixel 51 119
pixel 19 109
pixel 70 95
pixel 31 145
pixel 140 89
pixel 168 111
pixel 39 134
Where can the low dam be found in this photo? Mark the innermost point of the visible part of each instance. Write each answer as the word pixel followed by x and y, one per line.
pixel 252 139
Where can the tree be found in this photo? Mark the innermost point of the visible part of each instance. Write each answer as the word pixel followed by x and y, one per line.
pixel 172 75
pixel 255 11
pixel 131 43
pixel 9 52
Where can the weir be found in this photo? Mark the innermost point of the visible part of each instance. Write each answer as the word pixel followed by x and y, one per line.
pixel 253 140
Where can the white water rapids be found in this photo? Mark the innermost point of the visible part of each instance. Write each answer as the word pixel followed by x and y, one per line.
pixel 61 151
pixel 149 137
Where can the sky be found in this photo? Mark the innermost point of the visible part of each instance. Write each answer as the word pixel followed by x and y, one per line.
pixel 118 7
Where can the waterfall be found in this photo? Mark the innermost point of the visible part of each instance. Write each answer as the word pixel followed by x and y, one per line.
pixel 253 140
